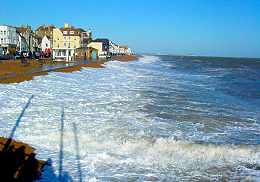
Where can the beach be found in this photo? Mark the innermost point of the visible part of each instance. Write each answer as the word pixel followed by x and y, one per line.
pixel 163 118
pixel 125 58
pixel 12 71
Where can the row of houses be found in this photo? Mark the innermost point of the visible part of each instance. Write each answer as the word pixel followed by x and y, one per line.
pixel 67 43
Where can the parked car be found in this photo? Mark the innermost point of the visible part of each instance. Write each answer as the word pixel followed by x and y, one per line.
pixel 1 51
pixel 37 55
pixel 6 57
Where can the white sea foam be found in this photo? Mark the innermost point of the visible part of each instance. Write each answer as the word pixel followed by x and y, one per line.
pixel 149 59
pixel 118 140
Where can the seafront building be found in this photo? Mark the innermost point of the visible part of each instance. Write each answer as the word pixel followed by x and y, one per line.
pixel 67 43
pixel 8 39
pixel 99 48
pixel 22 44
pixel 32 40
pixel 46 36
pixel 85 38
pixel 43 30
pixel 113 48
pixel 95 50
pixel 124 50
pixel 67 40
pixel 117 50
pixel 46 44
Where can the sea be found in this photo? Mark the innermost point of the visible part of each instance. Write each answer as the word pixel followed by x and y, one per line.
pixel 159 118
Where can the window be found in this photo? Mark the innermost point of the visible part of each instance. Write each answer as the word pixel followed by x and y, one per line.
pixel 58 45
pixel 1 32
pixel 65 32
pixel 72 32
pixel 4 32
pixel 46 45
pixel 69 45
pixel 64 37
pixel 65 44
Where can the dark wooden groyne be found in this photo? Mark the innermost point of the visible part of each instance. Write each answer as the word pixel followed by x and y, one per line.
pixel 18 162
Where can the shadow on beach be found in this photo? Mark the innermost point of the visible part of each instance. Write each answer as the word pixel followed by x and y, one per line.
pixel 17 160
pixel 48 174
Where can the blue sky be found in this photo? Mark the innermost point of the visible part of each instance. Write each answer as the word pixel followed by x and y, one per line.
pixel 201 27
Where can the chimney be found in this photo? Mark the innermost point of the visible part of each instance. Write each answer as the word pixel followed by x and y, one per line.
pixel 66 25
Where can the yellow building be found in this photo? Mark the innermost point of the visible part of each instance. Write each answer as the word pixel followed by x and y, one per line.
pixel 102 48
pixel 65 42
pixel 96 45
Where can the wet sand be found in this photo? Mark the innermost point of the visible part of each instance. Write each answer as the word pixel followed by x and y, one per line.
pixel 80 66
pixel 18 78
pixel 12 71
pixel 125 58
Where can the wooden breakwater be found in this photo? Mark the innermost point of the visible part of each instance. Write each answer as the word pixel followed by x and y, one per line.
pixel 18 161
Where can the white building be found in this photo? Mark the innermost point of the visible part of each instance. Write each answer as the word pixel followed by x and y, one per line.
pixel 22 44
pixel 113 49
pixel 125 50
pixel 45 44
pixel 8 37
pixel 26 33
pixel 117 50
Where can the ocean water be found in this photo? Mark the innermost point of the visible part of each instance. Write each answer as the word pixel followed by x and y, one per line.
pixel 162 118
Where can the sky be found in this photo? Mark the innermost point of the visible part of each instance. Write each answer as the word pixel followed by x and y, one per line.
pixel 180 27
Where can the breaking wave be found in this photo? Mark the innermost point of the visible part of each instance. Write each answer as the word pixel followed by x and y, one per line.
pixel 139 121
pixel 149 59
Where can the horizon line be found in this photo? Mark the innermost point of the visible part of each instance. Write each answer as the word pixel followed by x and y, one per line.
pixel 190 55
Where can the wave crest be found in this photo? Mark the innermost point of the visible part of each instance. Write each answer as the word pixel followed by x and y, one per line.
pixel 149 59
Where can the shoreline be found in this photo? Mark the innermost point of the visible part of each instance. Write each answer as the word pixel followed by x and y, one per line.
pixel 126 58
pixel 12 71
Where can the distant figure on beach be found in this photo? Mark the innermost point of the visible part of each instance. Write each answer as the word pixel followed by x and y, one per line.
pixel 30 54
pixel 23 58
pixel 85 56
